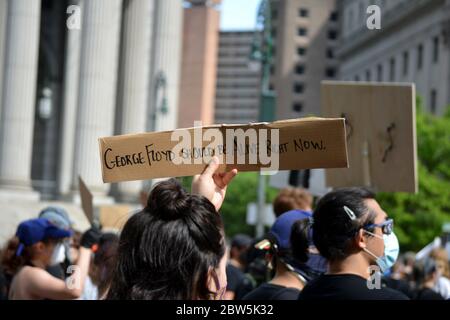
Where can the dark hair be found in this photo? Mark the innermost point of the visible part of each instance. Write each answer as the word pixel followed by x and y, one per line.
pixel 104 262
pixel 299 245
pixel 299 240
pixel 333 227
pixel 422 270
pixel 11 262
pixel 167 250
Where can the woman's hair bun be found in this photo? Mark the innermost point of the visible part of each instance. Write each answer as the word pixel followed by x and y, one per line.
pixel 168 199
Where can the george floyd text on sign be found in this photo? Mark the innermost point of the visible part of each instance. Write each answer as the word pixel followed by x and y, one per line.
pixel 269 147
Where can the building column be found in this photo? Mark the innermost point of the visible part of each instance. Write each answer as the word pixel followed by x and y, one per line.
pixel 134 78
pixel 100 31
pixel 3 20
pixel 70 100
pixel 167 43
pixel 18 97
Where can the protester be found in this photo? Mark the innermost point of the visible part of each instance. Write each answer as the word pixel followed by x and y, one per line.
pixel 59 217
pixel 292 199
pixel 353 233
pixel 442 286
pixel 396 279
pixel 174 248
pixel 34 248
pixel 426 277
pixel 238 283
pixel 291 271
pixel 104 263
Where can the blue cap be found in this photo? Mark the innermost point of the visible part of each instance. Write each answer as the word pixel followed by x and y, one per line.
pixel 58 216
pixel 281 229
pixel 32 231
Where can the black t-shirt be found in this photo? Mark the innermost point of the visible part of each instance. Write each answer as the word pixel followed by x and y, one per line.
pixel 346 287
pixel 238 282
pixel 428 294
pixel 269 291
pixel 399 285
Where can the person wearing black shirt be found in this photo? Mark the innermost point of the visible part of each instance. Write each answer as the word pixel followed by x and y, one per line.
pixel 426 276
pixel 356 237
pixel 291 274
pixel 238 283
pixel 347 287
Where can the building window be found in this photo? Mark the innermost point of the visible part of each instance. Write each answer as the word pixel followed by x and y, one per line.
pixel 368 75
pixel 433 101
pixel 419 56
pixel 332 35
pixel 303 12
pixel 405 62
pixel 301 51
pixel 274 32
pixel 435 49
pixel 300 69
pixel 274 14
pixel 302 32
pixel 297 107
pixel 334 16
pixel 330 72
pixel 330 53
pixel 272 69
pixel 298 87
pixel 392 69
pixel 379 73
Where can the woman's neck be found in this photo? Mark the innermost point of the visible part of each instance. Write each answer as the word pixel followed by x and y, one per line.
pixel 38 264
pixel 287 278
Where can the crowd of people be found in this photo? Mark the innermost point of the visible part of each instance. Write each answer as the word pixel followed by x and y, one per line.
pixel 176 248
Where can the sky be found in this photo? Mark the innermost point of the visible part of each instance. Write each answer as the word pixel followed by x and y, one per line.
pixel 238 14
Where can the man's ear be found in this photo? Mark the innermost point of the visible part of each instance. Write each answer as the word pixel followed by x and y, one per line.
pixel 361 239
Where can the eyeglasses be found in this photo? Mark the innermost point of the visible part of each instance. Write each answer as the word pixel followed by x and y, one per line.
pixel 386 227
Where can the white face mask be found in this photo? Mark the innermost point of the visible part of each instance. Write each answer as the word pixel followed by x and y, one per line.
pixel 58 255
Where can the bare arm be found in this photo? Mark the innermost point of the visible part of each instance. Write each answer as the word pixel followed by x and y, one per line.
pixel 44 285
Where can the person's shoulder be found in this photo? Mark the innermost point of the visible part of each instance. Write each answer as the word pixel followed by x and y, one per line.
pixel 34 274
pixel 391 294
pixel 286 294
pixel 265 291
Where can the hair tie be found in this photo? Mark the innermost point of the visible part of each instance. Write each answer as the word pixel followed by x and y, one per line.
pixel 19 249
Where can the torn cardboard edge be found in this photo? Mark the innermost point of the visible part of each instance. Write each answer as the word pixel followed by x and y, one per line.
pixel 87 203
pixel 302 144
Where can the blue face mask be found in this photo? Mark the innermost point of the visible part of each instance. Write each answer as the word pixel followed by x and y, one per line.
pixel 391 250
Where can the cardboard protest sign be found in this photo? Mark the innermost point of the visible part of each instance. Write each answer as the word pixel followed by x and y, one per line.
pixel 114 216
pixel 280 145
pixel 381 134
pixel 86 200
